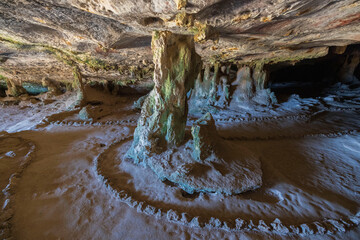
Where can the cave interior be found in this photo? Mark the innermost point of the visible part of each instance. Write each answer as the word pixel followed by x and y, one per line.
pixel 179 119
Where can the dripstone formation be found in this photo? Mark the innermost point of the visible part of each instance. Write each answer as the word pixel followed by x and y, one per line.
pixel 164 112
pixel 206 163
pixel 205 137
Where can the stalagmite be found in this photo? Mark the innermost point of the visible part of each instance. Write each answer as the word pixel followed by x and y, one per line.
pixel 14 88
pixel 164 113
pixel 346 73
pixel 202 84
pixel 259 76
pixel 213 84
pixel 223 92
pixel 80 85
pixel 205 137
pixel 244 83
pixel 251 85
pixel 53 86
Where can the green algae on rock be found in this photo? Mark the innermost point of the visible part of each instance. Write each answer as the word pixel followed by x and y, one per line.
pixel 164 113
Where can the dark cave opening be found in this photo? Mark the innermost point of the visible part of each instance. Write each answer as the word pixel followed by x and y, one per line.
pixel 308 78
pixel 3 88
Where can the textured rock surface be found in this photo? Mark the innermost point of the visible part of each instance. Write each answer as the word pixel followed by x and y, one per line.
pixel 226 88
pixel 14 88
pixel 205 137
pixel 346 73
pixel 53 86
pixel 223 91
pixel 208 163
pixel 118 31
pixel 250 84
pixel 231 170
pixel 164 112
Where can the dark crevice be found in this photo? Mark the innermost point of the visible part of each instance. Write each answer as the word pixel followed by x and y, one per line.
pixel 129 41
pixel 151 21
pixel 188 195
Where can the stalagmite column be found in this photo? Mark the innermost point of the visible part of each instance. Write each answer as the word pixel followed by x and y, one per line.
pixel 14 88
pixel 53 86
pixel 164 113
pixel 223 92
pixel 202 84
pixel 260 77
pixel 251 85
pixel 245 87
pixel 214 82
pixel 80 85
pixel 346 73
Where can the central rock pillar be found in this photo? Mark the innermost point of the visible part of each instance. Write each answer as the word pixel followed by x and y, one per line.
pixel 164 112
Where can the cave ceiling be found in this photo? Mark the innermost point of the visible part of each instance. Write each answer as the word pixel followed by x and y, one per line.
pixel 119 31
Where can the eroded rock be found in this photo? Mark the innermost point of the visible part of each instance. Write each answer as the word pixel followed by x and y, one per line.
pixel 250 85
pixel 346 73
pixel 223 92
pixel 163 116
pixel 14 88
pixel 205 137
pixel 53 86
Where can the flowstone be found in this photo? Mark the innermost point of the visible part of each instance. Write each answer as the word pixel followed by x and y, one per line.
pixel 164 112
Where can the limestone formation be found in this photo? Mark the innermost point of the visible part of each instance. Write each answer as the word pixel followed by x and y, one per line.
pixel 245 87
pixel 79 85
pixel 346 73
pixel 85 115
pixel 213 85
pixel 250 84
pixel 14 88
pixel 164 113
pixel 220 89
pixel 223 92
pixel 53 86
pixel 274 31
pixel 202 84
pixel 140 102
pixel 205 137
pixel 161 127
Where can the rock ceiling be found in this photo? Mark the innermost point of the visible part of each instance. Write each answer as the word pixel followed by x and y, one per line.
pixel 119 31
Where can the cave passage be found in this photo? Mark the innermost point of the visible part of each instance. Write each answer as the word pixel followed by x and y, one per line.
pixel 307 78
